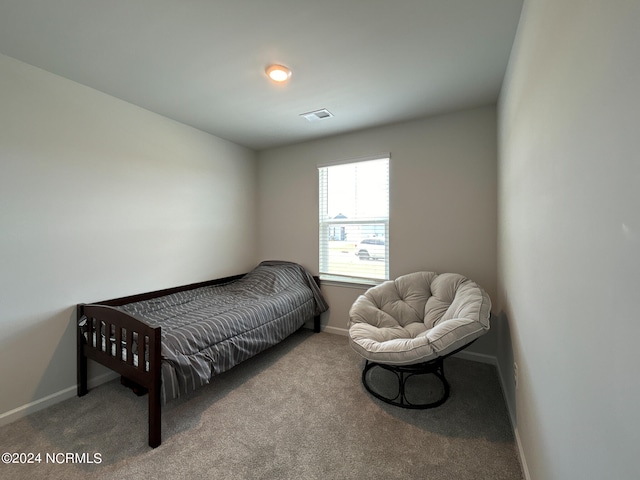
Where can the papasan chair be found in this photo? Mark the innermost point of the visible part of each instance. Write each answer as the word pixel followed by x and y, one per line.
pixel 409 325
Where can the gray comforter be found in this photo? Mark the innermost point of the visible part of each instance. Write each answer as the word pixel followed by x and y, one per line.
pixel 208 330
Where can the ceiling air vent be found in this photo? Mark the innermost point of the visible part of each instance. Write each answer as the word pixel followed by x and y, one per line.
pixel 317 115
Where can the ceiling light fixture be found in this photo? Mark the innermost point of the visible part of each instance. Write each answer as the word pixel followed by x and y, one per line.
pixel 278 73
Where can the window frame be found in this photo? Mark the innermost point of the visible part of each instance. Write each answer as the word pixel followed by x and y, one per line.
pixel 325 222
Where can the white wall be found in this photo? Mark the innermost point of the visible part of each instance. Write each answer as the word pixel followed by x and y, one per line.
pixel 443 194
pixel 569 237
pixel 100 199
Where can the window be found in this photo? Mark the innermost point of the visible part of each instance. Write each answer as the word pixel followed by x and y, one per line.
pixel 354 220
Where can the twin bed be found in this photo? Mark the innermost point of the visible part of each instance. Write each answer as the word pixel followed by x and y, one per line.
pixel 170 342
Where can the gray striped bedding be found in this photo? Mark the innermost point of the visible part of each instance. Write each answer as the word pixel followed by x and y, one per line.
pixel 208 330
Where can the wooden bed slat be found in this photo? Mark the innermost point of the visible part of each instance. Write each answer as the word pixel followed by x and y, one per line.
pixel 95 333
pixel 118 342
pixel 90 331
pixel 128 345
pixel 107 339
pixel 142 340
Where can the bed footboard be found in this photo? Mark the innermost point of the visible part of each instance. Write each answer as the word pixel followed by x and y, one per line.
pixel 126 345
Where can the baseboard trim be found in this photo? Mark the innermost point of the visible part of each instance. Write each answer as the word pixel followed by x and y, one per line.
pixel 50 400
pixel 523 460
pixel 335 330
pixel 477 357
pixel 514 428
pixel 482 358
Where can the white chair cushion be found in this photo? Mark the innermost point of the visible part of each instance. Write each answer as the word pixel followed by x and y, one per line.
pixel 418 317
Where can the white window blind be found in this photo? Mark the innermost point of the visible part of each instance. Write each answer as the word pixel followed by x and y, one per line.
pixel 354 220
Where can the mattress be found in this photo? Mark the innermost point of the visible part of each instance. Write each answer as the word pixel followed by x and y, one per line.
pixel 208 330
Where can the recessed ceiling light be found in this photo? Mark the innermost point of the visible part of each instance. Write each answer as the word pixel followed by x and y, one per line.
pixel 278 73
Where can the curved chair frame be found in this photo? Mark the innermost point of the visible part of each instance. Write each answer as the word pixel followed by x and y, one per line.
pixel 404 372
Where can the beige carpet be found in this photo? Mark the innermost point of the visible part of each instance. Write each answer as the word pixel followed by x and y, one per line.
pixel 297 411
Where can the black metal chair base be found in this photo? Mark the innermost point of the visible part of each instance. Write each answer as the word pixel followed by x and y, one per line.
pixel 403 373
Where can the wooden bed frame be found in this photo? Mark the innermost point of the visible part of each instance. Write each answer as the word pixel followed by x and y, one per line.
pixel 148 347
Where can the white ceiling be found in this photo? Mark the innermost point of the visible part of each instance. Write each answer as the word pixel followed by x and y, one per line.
pixel 201 62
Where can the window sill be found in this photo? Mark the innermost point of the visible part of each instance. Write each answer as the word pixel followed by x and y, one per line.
pixel 359 283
